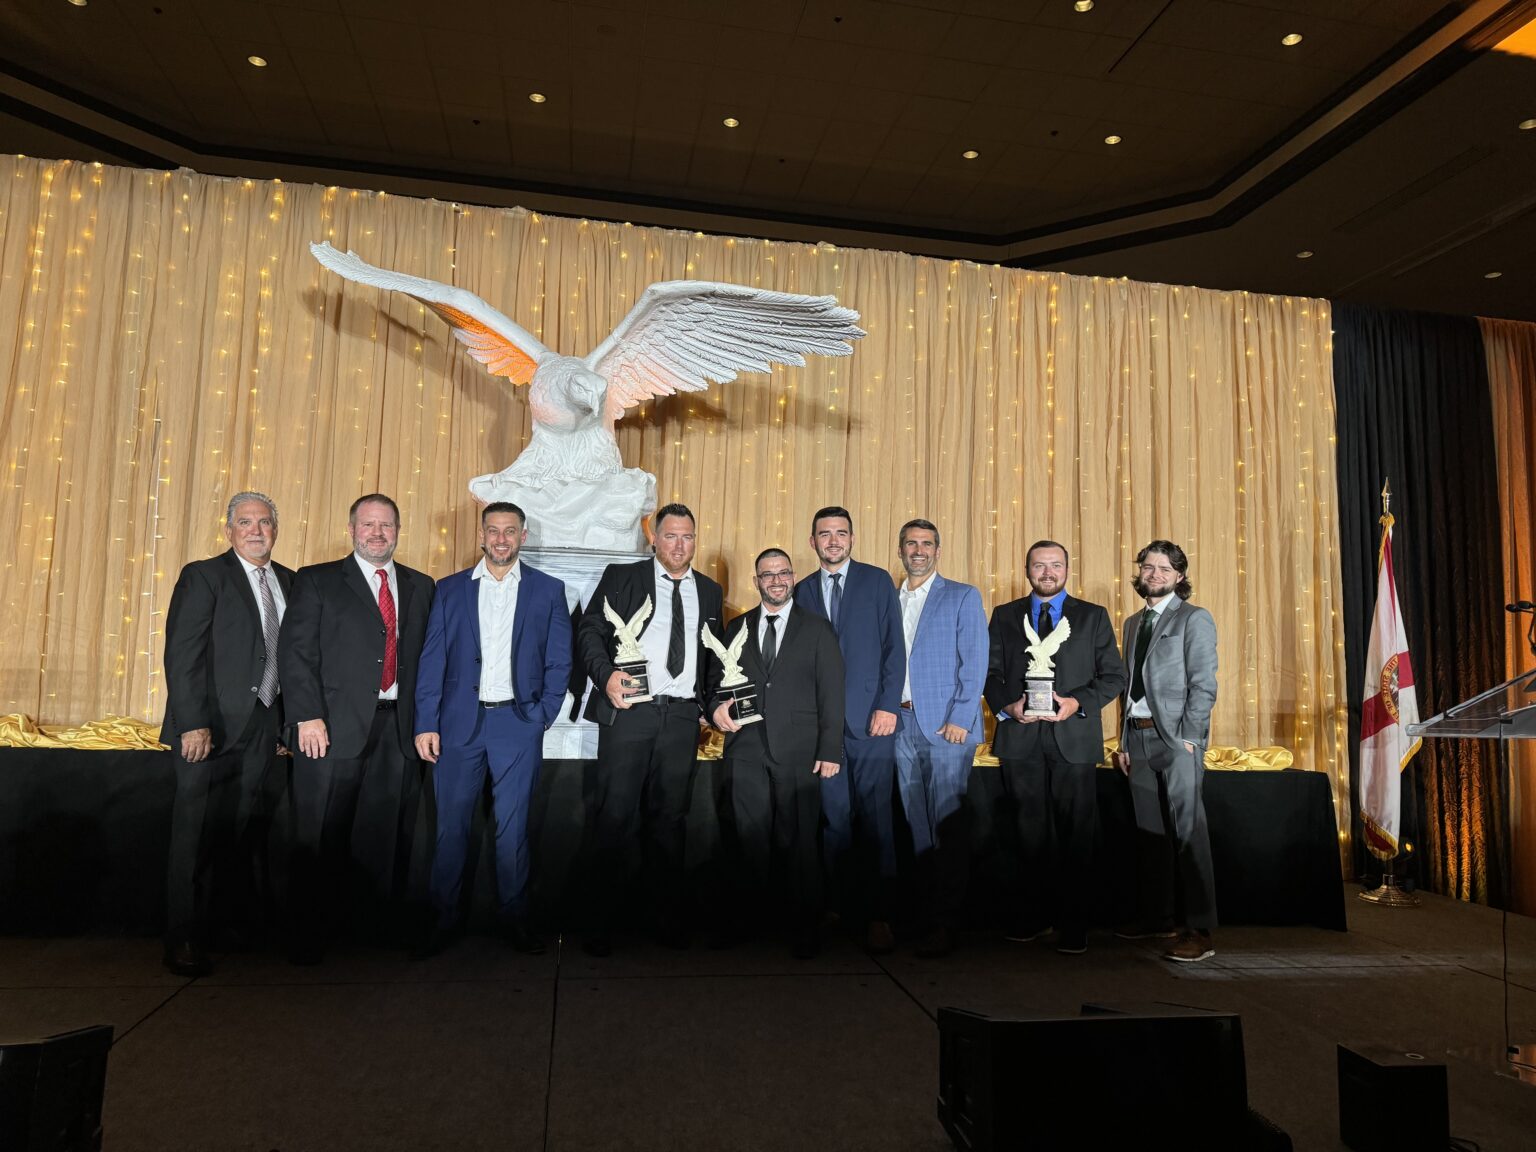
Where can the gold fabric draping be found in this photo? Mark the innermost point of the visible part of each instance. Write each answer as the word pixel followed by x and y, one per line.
pixel 114 734
pixel 168 339
pixel 1511 350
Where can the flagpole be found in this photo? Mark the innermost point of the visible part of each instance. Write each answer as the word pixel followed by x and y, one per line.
pixel 1391 893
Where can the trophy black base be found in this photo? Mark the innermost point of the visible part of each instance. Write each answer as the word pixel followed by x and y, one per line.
pixel 743 699
pixel 1039 697
pixel 639 677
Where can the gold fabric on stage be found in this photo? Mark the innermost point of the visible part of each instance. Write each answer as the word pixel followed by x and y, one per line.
pixel 171 340
pixel 1511 351
pixel 114 734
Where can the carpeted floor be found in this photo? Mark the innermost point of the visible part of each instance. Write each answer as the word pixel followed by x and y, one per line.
pixel 741 1049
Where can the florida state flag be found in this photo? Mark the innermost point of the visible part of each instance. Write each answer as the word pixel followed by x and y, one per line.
pixel 1389 706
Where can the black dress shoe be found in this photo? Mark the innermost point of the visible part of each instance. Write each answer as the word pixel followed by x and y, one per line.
pixel 187 959
pixel 1072 941
pixel 598 945
pixel 523 938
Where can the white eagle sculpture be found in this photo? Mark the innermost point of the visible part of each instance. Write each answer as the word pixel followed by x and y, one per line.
pixel 681 335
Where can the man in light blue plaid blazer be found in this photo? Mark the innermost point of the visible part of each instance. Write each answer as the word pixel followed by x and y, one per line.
pixel 940 725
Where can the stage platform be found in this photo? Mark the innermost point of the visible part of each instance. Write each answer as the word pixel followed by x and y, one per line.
pixel 480 1048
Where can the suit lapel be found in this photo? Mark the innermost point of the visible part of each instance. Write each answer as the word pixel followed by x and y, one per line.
pixel 752 650
pixel 519 614
pixel 935 591
pixel 352 577
pixel 472 610
pixel 234 571
pixel 404 598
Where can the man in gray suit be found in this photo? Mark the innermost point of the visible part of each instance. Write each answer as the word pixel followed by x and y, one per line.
pixel 1171 649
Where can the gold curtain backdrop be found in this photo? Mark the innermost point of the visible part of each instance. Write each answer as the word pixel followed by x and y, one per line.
pixel 168 339
pixel 1511 351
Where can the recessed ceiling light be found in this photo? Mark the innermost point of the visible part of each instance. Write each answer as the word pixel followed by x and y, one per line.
pixel 1527 125
pixel 1111 139
pixel 731 122
pixel 1304 254
pixel 537 97
pixel 258 61
pixel 1492 275
pixel 1082 6
pixel 970 154
pixel 1290 40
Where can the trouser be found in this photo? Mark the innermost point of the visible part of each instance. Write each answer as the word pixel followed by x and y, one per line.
pixel 774 814
pixel 859 844
pixel 646 763
pixel 1056 806
pixel 932 780
pixel 353 824
pixel 217 868
pixel 510 749
pixel 1176 884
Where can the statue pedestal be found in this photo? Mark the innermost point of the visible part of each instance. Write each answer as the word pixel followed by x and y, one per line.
pixel 580 569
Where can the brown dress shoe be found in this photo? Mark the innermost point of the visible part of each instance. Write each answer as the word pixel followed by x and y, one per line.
pixel 1191 947
pixel 878 940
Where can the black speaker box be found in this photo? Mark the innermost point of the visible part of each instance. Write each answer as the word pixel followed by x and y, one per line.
pixel 1392 1100
pixel 51 1091
pixel 1093 1080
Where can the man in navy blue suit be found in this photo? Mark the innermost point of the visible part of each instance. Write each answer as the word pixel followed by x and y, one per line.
pixel 859 600
pixel 493 674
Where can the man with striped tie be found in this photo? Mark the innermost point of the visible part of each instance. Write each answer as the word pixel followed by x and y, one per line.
pixel 222 717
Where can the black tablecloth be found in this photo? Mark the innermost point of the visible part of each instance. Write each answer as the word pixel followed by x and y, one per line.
pixel 83 840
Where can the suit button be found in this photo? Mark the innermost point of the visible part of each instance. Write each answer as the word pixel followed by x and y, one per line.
pixel 474 687
pixel 381 631
pixel 254 688
pixel 477 659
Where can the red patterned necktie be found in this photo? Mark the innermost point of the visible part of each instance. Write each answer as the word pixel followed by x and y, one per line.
pixel 387 610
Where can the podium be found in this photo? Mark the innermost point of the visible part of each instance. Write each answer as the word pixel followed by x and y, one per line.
pixel 1506 712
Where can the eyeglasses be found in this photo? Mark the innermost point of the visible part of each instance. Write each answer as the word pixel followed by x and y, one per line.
pixel 774 577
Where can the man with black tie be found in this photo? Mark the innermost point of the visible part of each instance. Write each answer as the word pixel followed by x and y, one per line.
pixel 775 767
pixel 1048 762
pixel 1171 647
pixel 350 644
pixel 222 719
pixel 859 601
pixel 647 753
pixel 493 675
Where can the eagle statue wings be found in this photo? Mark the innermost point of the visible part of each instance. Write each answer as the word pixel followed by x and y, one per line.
pixel 679 336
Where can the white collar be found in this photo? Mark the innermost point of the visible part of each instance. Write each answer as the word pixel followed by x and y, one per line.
pixel 663 574
pixel 483 569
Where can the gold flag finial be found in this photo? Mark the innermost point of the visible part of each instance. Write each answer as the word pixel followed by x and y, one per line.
pixel 1386 497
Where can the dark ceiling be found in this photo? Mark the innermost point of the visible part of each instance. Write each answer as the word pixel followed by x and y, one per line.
pixel 1386 142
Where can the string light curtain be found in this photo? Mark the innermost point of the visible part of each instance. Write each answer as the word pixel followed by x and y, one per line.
pixel 1511 350
pixel 173 341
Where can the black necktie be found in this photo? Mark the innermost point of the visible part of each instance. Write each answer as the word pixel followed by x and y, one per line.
pixel 676 656
pixel 1043 628
pixel 1143 639
pixel 836 608
pixel 771 643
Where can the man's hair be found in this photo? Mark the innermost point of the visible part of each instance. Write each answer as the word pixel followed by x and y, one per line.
pixel 1175 556
pixel 372 498
pixel 901 537
pixel 830 512
pixel 240 498
pixel 1038 544
pixel 767 552
pixel 672 510
pixel 503 506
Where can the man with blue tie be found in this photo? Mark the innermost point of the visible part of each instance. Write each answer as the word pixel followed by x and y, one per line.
pixel 859 601
pixel 1048 762
pixel 945 630
pixel 493 674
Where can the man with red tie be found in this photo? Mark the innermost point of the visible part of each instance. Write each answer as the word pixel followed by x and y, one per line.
pixel 350 643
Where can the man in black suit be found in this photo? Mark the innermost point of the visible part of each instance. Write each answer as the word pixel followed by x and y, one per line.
pixel 647 753
pixel 774 767
pixel 1048 762
pixel 222 719
pixel 350 644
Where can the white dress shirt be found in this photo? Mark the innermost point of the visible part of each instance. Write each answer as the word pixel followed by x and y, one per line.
pixel 826 584
pixel 657 637
pixel 277 589
pixel 498 612
pixel 1140 709
pixel 782 618
pixel 912 602
pixel 368 570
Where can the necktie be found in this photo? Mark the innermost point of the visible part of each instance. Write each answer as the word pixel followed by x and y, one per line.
pixel 675 653
pixel 268 638
pixel 835 609
pixel 387 610
pixel 771 643
pixel 1045 624
pixel 1143 639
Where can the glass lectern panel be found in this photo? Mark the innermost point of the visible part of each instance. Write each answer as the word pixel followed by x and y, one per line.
pixel 1504 712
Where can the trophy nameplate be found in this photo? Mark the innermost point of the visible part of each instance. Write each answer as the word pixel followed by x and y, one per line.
pixel 734 684
pixel 628 657
pixel 1040 674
